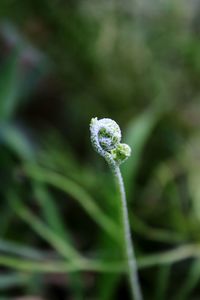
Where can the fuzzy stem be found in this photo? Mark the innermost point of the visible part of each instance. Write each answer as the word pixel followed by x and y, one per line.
pixel 131 260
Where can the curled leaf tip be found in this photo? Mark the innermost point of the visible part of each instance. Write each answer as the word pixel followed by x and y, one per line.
pixel 106 138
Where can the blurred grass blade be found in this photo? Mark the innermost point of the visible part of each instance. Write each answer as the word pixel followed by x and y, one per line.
pixel 107 286
pixel 166 178
pixel 34 63
pixel 50 266
pixel 21 250
pixel 9 86
pixel 6 219
pixel 63 248
pixel 78 193
pixel 54 220
pixel 193 278
pixel 50 210
pixel 136 137
pixel 165 258
pixel 154 234
pixel 171 256
pixel 8 281
pixel 162 282
pixel 16 140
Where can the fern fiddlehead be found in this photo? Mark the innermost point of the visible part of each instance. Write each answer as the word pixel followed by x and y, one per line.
pixel 106 140
pixel 106 137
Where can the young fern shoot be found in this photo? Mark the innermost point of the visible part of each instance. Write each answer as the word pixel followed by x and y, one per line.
pixel 106 138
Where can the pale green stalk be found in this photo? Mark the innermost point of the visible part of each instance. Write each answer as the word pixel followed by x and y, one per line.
pixel 106 140
pixel 129 248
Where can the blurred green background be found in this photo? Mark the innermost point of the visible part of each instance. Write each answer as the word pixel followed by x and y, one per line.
pixel 62 63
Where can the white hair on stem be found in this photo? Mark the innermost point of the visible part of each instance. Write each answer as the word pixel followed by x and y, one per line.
pixel 106 140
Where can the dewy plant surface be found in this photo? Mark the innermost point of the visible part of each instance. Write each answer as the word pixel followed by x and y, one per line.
pixel 106 138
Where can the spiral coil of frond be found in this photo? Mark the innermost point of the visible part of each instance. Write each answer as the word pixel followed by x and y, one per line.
pixel 106 138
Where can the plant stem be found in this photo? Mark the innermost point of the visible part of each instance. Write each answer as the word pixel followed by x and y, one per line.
pixel 131 260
